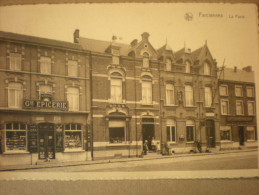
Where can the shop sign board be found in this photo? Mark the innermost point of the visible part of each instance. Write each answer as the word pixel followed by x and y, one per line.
pixel 239 119
pixel 52 105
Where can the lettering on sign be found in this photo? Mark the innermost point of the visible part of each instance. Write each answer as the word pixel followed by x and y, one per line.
pixel 239 119
pixel 38 104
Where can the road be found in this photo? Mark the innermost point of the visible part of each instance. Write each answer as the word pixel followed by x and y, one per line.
pixel 242 160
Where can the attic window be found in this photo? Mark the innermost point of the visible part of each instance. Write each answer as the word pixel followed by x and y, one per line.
pixel 145 60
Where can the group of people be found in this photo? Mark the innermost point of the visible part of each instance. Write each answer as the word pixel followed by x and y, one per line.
pixel 150 145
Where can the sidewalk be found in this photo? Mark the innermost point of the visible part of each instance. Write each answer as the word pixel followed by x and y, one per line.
pixel 146 157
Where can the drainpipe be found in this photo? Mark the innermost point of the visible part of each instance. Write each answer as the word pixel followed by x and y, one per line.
pixel 160 108
pixel 91 105
pixel 136 126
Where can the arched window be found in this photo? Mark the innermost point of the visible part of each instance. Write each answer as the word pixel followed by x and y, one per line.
pixel 168 64
pixel 170 94
pixel 208 97
pixel 73 98
pixel 187 67
pixel 15 95
pixel 189 130
pixel 171 130
pixel 207 69
pixel 145 60
pixel 116 87
pixel 188 95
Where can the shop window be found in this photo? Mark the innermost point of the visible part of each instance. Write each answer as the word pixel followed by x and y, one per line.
pixel 189 130
pixel 72 68
pixel 187 67
pixel 146 60
pixel 208 97
pixel 73 136
pixel 45 65
pixel 147 92
pixel 225 133
pixel 250 133
pixel 223 90
pixel 15 95
pixel 15 137
pixel 15 61
pixel 239 107
pixel 116 90
pixel 239 91
pixel 171 130
pixel 251 108
pixel 224 107
pixel 250 91
pixel 170 94
pixel 168 64
pixel 117 131
pixel 73 98
pixel 207 69
pixel 188 95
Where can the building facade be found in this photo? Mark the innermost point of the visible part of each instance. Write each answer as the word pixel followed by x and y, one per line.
pixel 44 102
pixel 238 108
pixel 94 99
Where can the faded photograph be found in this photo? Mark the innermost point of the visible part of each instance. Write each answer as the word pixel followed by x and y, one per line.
pixel 128 87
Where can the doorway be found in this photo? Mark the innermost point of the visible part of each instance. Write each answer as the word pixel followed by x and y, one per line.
pixel 147 134
pixel 210 131
pixel 241 132
pixel 46 141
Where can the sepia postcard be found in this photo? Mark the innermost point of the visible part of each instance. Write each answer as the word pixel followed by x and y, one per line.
pixel 128 91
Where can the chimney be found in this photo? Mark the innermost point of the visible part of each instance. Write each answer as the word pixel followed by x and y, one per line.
pixel 76 36
pixel 235 69
pixel 134 42
pixel 248 68
pixel 145 36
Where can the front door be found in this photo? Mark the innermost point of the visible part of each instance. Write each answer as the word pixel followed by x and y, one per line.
pixel 147 134
pixel 46 141
pixel 210 130
pixel 241 135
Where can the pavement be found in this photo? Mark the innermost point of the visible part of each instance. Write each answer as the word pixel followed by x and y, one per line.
pixel 150 156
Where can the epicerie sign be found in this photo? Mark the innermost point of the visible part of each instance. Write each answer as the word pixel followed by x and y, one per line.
pixel 54 105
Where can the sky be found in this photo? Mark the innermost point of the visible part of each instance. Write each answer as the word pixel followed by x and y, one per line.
pixel 232 37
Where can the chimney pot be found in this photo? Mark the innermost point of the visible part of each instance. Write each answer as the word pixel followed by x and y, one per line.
pixel 76 36
pixel 248 68
pixel 235 69
pixel 145 36
pixel 134 42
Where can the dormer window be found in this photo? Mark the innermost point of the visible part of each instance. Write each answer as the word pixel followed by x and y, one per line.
pixel 168 64
pixel 187 67
pixel 145 60
pixel 207 70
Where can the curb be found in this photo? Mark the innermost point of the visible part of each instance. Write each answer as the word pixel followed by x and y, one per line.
pixel 54 165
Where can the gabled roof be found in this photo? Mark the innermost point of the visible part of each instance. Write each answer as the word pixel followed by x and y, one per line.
pixel 178 54
pixel 164 48
pixel 37 40
pixel 101 46
pixel 196 53
pixel 239 75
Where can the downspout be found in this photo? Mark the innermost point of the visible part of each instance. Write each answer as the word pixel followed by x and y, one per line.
pixel 160 108
pixel 136 126
pixel 91 104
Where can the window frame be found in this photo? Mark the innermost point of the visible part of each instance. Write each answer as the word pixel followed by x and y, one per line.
pixel 16 130
pixel 73 96
pixel 187 67
pixel 17 92
pixel 171 126
pixel 193 130
pixel 227 101
pixel 206 96
pixel 73 131
pixel 146 63
pixel 168 103
pixel 253 91
pixel 69 65
pixel 124 140
pixel 226 90
pixel 236 87
pixel 168 64
pixel 191 95
pixel 206 69
pixel 117 99
pixel 221 129
pixel 147 92
pixel 254 129
pixel 14 57
pixel 249 114
pixel 241 101
pixel 45 61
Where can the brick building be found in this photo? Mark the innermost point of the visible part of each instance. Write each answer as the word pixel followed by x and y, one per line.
pixel 189 102
pixel 238 108
pixel 45 100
